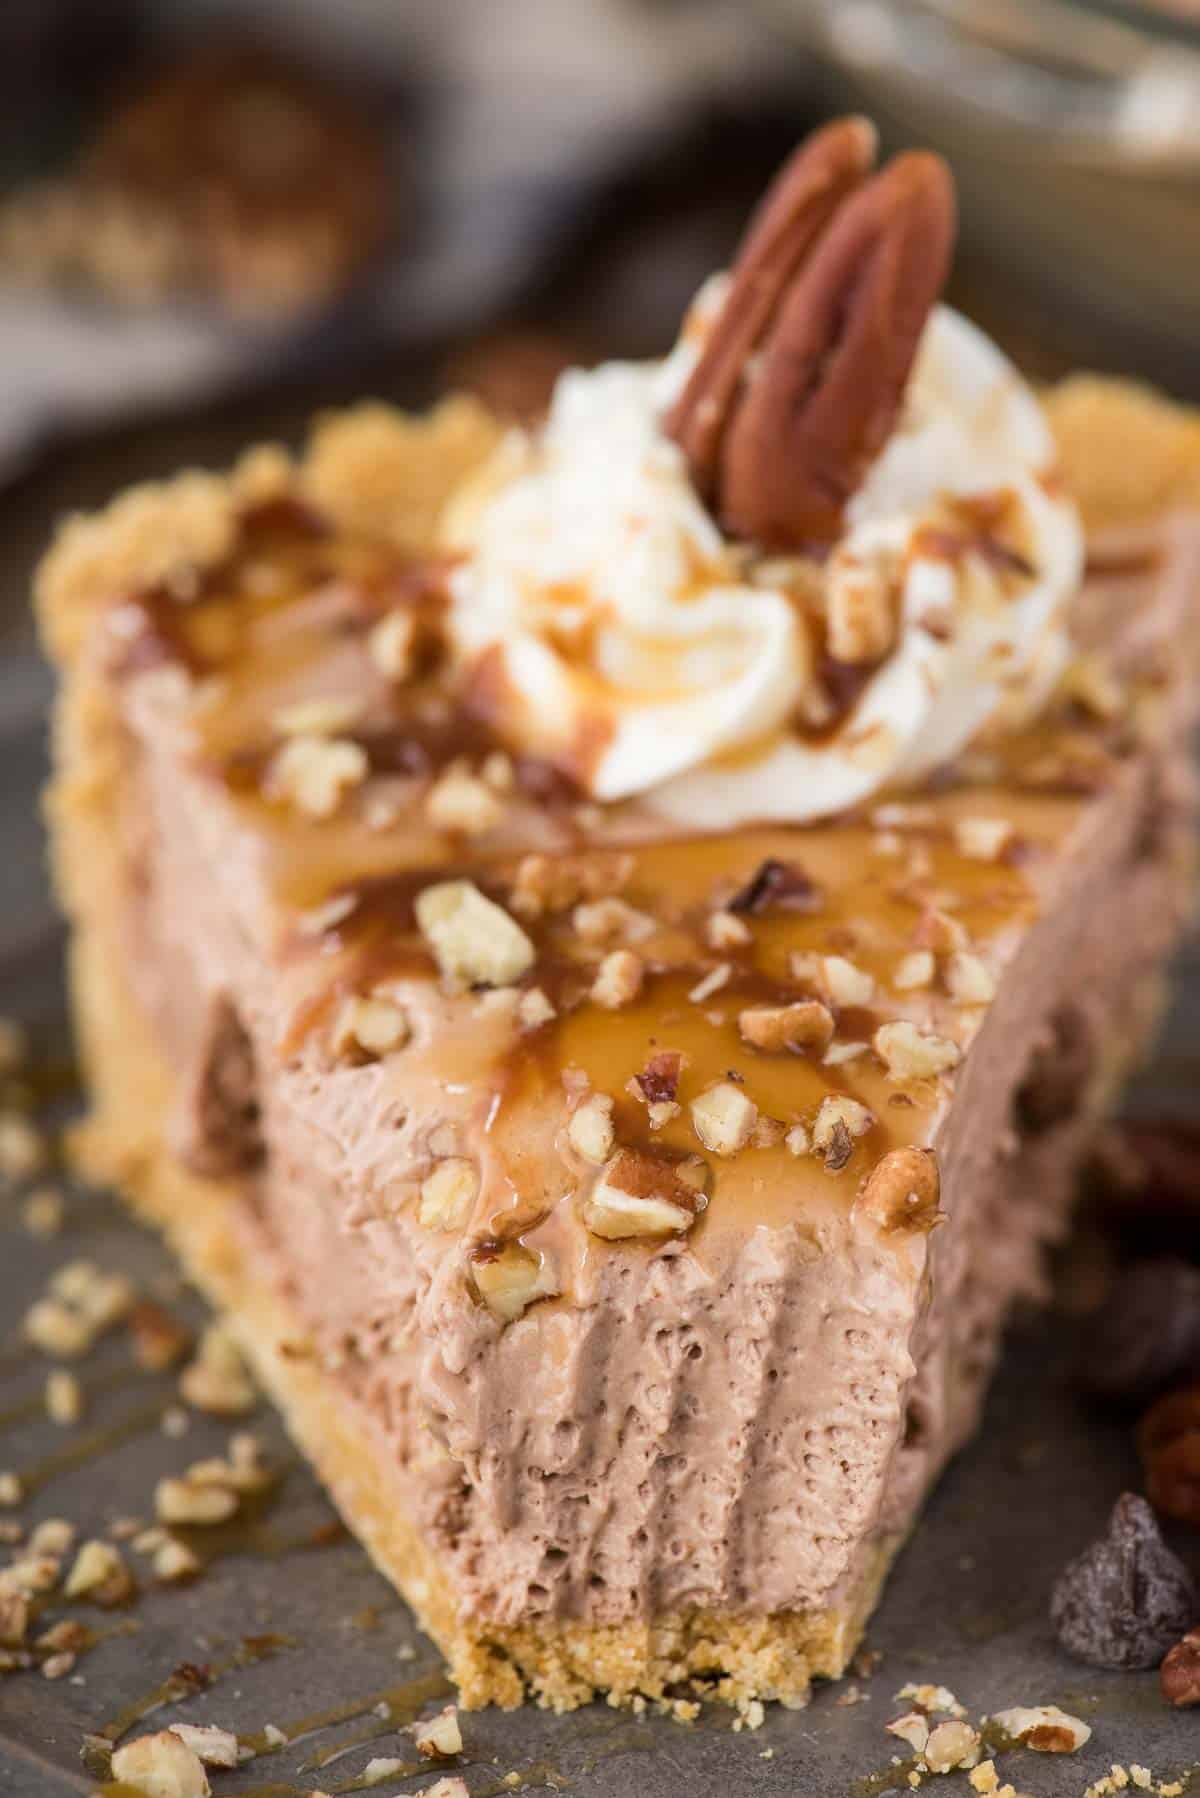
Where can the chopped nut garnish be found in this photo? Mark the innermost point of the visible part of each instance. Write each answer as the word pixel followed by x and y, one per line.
pixel 509 1278
pixel 43 1211
pixel 174 1562
pixel 216 1380
pixel 637 1195
pixel 193 1501
pixel 797 1140
pixel 710 983
pixel 82 1303
pixel 776 883
pixel 807 1024
pixel 912 971
pixel 534 1009
pixel 370 1027
pixel 908 1054
pixel 611 921
pixel 159 1340
pixel 392 644
pixel 64 1398
pixel 11 1492
pixel 313 773
pixel 912 1728
pixel 860 616
pixel 215 1747
pixel 619 979
pixel 902 1191
pixel 53 1536
pixel 14 1618
pixel 938 931
pixel 473 939
pixel 1043 1727
pixel 448 1193
pixel 983 839
pixel 22 1148
pixel 846 984
pixel 968 980
pixel 724 1118
pixel 838 1123
pixel 438 1737
pixel 552 883
pixel 318 717
pixel 460 801
pixel 953 1744
pixel 838 1054
pixel 725 930
pixel 590 1131
pixel 160 1766
pixel 100 1574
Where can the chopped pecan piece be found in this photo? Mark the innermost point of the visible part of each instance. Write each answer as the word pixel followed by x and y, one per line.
pixel 902 1191
pixel 1180 1672
pixel 638 1195
pixel 794 214
pixel 780 884
pixel 802 380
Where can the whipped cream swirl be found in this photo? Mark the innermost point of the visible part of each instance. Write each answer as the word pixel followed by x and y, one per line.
pixel 621 635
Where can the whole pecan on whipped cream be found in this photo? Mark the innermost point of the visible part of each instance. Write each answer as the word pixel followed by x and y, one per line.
pixel 799 385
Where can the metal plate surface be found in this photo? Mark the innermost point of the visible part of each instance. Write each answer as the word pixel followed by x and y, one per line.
pixel 966 1605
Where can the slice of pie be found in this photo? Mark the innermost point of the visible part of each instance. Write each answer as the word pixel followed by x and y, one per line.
pixel 603 947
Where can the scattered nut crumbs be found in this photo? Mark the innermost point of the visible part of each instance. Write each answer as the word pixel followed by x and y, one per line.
pixel 161 1766
pixel 391 644
pixel 461 802
pixel 313 773
pixel 216 1379
pixel 913 970
pixel 23 1151
pixel 1043 1727
pixel 510 1277
pixel 439 1737
pixel 724 1118
pixel 619 979
pixel 846 983
pixel 472 938
pixel 912 1054
pixel 216 1747
pixel 637 1195
pixel 590 1130
pixel 64 1398
pixel 447 1194
pixel 983 839
pixel 725 930
pixel 42 1213
pixel 369 1027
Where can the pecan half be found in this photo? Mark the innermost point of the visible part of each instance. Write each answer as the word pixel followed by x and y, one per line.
pixel 802 379
pixel 794 213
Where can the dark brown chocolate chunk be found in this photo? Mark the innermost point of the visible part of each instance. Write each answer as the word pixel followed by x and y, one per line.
pixel 1126 1599
pixel 780 885
pixel 1180 1673
pixel 1148 1335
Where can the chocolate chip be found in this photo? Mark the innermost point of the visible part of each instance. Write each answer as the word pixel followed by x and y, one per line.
pixel 1126 1599
pixel 1180 1673
pixel 1148 1335
pixel 783 885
